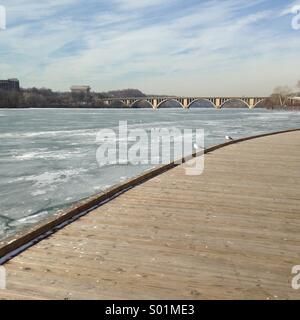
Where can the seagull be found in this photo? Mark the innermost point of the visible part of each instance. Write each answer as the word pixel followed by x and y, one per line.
pixel 197 147
pixel 229 138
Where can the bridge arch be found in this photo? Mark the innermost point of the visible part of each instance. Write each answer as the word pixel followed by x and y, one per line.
pixel 201 100
pixel 258 102
pixel 141 100
pixel 169 100
pixel 234 99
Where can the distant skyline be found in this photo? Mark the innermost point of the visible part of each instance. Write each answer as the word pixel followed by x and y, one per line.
pixel 175 47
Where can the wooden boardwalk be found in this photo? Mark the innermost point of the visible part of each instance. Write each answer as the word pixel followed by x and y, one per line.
pixel 231 233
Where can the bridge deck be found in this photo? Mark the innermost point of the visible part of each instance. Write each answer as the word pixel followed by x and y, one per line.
pixel 233 232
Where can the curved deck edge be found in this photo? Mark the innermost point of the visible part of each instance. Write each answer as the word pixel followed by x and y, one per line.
pixel 18 243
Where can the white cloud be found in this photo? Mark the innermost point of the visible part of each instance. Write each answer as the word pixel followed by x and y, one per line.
pixel 138 4
pixel 35 10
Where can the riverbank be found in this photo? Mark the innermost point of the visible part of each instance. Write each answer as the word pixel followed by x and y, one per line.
pixel 103 107
pixel 125 107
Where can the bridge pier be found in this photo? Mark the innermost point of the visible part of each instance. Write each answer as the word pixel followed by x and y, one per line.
pixel 217 103
pixel 185 103
pixel 154 103
pixel 251 103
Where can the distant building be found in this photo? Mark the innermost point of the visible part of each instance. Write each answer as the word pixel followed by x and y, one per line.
pixel 81 89
pixel 10 84
pixel 294 101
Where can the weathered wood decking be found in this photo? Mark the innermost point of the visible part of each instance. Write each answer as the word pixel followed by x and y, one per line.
pixel 231 233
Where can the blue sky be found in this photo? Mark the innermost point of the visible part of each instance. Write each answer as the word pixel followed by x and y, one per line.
pixel 181 47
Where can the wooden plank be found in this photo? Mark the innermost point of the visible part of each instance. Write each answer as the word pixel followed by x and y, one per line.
pixel 231 233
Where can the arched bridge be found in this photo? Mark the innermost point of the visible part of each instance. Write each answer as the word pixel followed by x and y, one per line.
pixel 184 102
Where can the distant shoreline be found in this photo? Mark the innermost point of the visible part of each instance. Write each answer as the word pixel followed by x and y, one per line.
pixel 143 108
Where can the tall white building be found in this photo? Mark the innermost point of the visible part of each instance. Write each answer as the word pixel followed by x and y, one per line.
pixel 81 89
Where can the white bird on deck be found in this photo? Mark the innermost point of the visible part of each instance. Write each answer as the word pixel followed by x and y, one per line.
pixel 229 138
pixel 196 147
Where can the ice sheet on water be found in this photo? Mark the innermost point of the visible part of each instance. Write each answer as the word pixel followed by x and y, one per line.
pixel 46 155
pixel 31 219
pixel 49 178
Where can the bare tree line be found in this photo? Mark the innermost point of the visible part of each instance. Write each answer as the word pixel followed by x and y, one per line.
pixel 33 97
pixel 285 96
pixel 43 98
